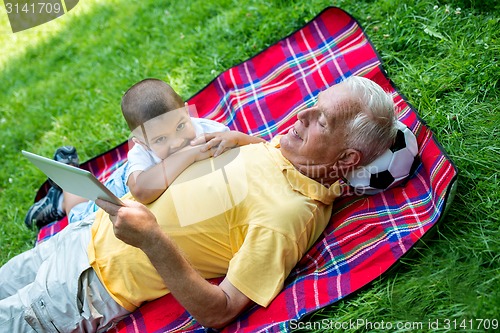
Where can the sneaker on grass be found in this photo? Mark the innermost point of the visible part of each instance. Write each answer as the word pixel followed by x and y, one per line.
pixel 66 155
pixel 46 210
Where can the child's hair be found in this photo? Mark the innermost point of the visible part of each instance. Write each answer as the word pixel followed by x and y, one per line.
pixel 148 99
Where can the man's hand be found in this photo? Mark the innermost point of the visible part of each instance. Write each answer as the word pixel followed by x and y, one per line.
pixel 133 223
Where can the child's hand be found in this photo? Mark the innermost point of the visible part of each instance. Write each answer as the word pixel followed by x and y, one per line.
pixel 220 141
pixel 196 153
pixel 203 153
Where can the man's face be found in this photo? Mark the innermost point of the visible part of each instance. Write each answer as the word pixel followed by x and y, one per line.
pixel 317 139
pixel 167 133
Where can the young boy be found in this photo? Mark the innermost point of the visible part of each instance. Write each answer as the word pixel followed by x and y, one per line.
pixel 163 134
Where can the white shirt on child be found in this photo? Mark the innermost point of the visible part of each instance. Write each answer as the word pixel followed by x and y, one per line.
pixel 141 158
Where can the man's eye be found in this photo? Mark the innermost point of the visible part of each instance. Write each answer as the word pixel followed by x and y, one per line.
pixel 322 120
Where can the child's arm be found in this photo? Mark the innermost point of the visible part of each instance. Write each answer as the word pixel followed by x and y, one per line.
pixel 146 186
pixel 225 141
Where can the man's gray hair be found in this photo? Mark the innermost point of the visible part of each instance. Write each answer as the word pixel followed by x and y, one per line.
pixel 372 130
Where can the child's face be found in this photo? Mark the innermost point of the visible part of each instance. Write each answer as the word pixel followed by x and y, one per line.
pixel 167 133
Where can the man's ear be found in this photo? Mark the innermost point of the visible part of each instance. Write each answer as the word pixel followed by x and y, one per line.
pixel 349 159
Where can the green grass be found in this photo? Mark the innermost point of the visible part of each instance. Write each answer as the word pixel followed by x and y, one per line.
pixel 61 83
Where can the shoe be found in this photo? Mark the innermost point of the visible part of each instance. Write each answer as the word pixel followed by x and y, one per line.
pixel 46 210
pixel 66 155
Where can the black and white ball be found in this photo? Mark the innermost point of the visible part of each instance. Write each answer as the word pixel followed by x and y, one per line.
pixel 389 169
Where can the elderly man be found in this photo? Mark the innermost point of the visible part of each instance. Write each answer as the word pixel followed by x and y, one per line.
pixel 249 215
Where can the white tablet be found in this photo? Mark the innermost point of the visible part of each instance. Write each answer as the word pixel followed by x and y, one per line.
pixel 73 180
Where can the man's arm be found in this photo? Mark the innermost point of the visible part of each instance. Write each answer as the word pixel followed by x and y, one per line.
pixel 146 186
pixel 211 305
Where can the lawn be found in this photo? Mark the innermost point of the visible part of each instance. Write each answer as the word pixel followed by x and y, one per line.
pixel 61 83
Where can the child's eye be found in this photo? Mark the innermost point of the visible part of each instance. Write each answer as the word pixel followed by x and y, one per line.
pixel 160 140
pixel 181 126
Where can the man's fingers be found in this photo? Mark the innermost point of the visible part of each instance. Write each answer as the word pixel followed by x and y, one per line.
pixel 109 207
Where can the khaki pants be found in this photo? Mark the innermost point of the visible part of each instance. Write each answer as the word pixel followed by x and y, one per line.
pixel 52 288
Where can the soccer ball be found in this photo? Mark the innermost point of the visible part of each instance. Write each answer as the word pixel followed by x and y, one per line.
pixel 389 169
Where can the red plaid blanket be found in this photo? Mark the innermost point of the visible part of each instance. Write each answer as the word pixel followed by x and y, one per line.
pixel 367 235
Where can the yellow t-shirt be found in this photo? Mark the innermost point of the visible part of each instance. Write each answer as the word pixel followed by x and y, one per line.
pixel 248 214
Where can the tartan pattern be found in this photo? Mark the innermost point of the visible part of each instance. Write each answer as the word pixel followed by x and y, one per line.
pixel 366 235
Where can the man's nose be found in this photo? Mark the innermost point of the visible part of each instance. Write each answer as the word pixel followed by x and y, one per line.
pixel 305 116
